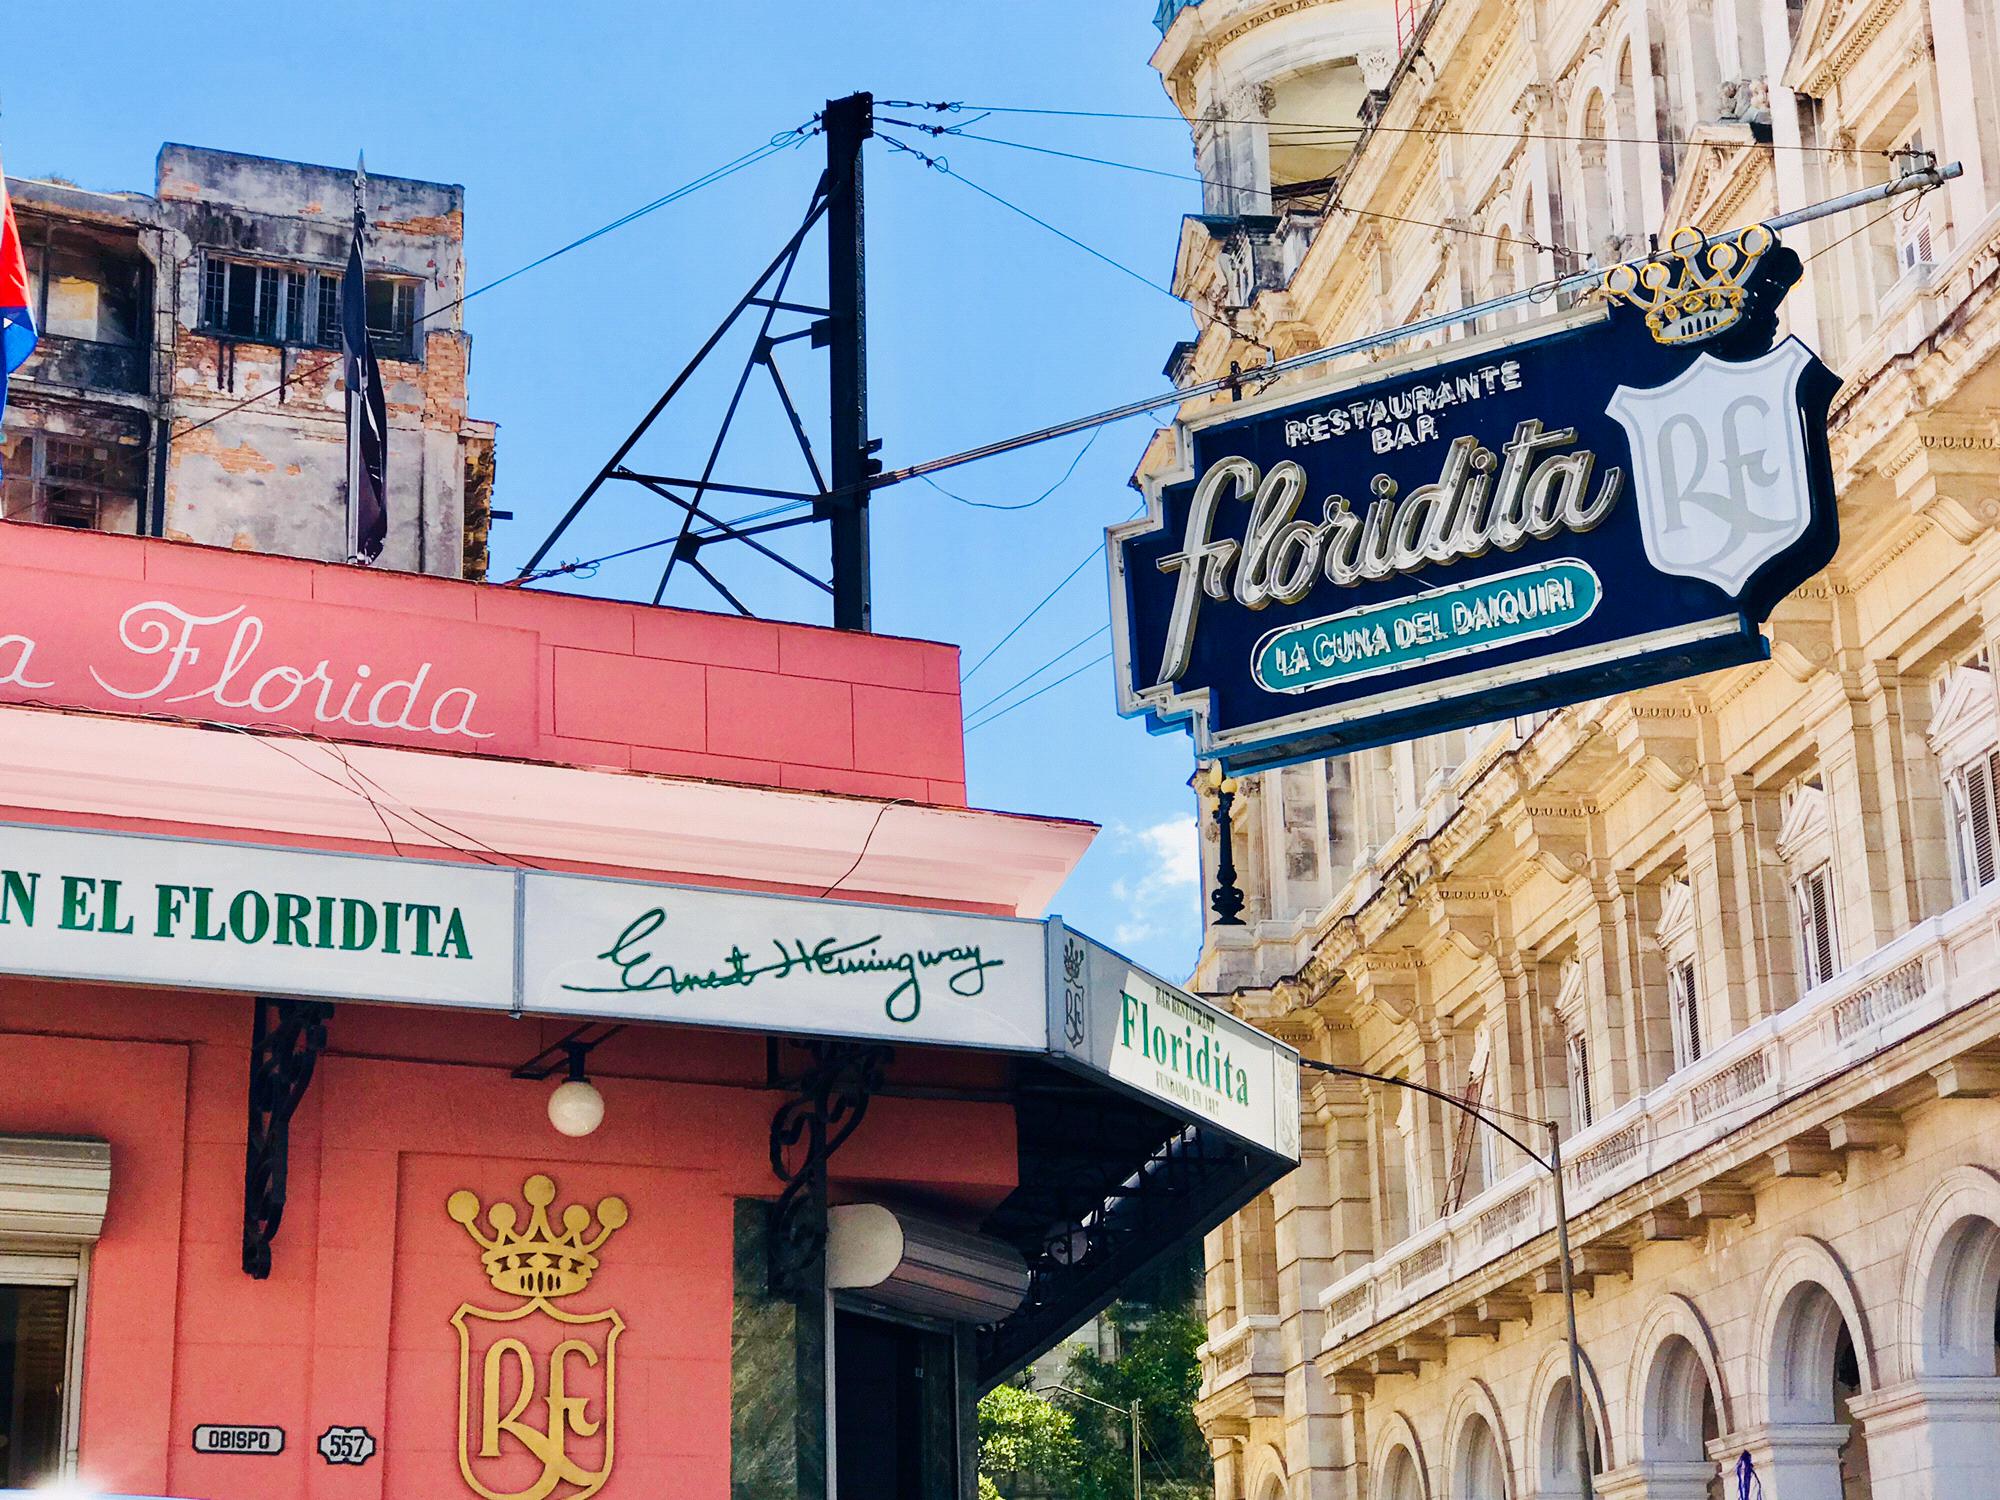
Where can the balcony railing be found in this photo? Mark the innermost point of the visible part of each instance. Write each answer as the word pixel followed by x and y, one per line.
pixel 1247 1349
pixel 88 365
pixel 1935 969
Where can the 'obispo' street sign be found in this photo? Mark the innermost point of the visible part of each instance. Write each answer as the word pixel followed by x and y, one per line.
pixel 1614 497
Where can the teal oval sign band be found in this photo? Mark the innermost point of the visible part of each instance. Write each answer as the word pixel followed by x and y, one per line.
pixel 1430 627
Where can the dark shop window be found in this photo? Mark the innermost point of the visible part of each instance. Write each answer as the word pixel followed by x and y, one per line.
pixel 34 1367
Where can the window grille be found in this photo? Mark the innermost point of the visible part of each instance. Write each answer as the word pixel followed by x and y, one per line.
pixel 301 305
pixel 328 327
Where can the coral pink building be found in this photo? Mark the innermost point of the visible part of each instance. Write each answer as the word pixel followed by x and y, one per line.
pixel 316 885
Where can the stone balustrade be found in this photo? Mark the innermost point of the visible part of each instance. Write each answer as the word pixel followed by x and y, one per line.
pixel 1241 1364
pixel 1926 975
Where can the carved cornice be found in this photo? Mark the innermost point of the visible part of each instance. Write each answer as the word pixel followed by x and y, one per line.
pixel 1839 33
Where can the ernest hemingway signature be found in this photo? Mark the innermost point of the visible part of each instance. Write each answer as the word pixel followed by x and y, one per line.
pixel 965 967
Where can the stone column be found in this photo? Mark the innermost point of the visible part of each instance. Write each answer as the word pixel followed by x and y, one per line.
pixel 1723 948
pixel 1865 910
pixel 1795 1460
pixel 1233 147
pixel 1932 1438
pixel 1761 902
pixel 1954 53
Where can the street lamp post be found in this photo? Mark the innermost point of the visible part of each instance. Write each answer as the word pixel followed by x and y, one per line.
pixel 1226 900
pixel 1109 1406
pixel 1552 1164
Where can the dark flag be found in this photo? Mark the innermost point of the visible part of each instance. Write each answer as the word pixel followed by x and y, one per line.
pixel 367 405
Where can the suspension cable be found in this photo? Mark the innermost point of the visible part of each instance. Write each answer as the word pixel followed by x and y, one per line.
pixel 1920 179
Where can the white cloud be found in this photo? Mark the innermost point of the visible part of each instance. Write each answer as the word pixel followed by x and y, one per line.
pixel 1161 888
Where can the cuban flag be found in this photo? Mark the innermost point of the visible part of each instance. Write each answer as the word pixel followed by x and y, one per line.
pixel 17 318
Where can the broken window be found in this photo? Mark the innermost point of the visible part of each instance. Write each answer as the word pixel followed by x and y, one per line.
pixel 269 304
pixel 17 475
pixel 91 484
pixel 86 291
pixel 249 301
pixel 392 315
pixel 34 253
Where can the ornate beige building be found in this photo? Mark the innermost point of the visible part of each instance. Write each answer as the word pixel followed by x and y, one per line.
pixel 1740 936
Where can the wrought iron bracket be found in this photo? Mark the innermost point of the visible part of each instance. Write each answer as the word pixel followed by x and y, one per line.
pixel 286 1040
pixel 831 1100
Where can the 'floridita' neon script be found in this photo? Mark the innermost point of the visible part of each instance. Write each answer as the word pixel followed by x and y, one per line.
pixel 1479 501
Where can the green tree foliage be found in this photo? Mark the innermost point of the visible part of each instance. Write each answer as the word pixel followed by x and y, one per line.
pixel 1061 1448
pixel 1159 1328
pixel 1027 1447
pixel 1157 1366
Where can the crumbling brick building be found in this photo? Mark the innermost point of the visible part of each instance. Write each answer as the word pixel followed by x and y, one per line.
pixel 188 380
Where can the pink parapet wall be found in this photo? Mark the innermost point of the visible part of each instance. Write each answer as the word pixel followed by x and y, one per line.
pixel 133 625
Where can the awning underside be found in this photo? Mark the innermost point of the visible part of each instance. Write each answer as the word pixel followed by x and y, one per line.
pixel 1107 1185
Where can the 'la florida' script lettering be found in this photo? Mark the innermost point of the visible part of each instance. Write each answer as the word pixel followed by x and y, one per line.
pixel 963 966
pixel 215 658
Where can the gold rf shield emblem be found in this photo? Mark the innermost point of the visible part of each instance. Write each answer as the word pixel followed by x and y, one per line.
pixel 537 1383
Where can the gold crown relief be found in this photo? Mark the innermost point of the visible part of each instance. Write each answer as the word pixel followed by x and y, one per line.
pixel 1693 289
pixel 538 1262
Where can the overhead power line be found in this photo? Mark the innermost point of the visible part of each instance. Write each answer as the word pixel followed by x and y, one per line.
pixel 1067 474
pixel 781 142
pixel 1918 180
pixel 1096 661
pixel 1040 604
pixel 940 164
pixel 959 132
pixel 943 106
pixel 1028 677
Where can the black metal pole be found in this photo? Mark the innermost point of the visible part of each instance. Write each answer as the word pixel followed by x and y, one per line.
pixel 849 122
pixel 1553 1165
pixel 1226 900
pixel 1585 1481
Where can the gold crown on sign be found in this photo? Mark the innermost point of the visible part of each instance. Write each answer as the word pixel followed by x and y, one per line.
pixel 538 1262
pixel 1693 289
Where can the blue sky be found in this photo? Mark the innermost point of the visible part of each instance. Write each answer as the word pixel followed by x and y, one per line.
pixel 559 119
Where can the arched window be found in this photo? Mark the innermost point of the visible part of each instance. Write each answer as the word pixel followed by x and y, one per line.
pixel 1680 1416
pixel 1961 1316
pixel 1477 1470
pixel 1399 1478
pixel 1815 1376
pixel 1558 1442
